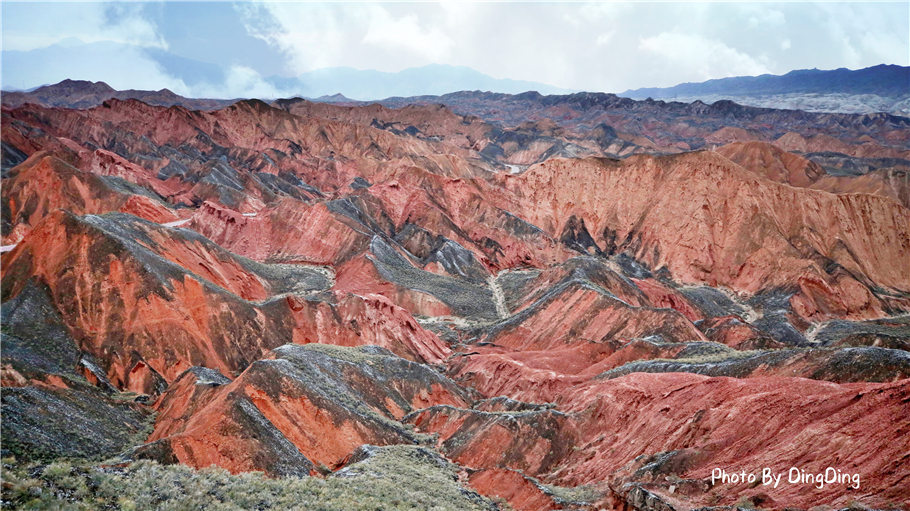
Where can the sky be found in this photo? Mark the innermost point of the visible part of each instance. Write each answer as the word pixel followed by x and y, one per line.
pixel 593 46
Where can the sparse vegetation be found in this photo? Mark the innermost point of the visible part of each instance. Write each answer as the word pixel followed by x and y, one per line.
pixel 578 495
pixel 707 358
pixel 393 478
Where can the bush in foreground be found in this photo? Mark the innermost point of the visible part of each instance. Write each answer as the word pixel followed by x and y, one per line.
pixel 387 478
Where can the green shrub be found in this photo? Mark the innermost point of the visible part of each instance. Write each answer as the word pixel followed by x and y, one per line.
pixel 397 478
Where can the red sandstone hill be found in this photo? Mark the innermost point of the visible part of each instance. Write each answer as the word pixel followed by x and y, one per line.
pixel 706 220
pixel 587 333
pixel 43 184
pixel 773 163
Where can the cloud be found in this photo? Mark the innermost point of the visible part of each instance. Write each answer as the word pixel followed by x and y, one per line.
pixel 884 47
pixel 700 57
pixel 114 43
pixel 370 36
pixel 35 25
pixel 863 36
pixel 119 65
pixel 605 38
pixel 597 12
pixel 598 46
pixel 310 35
pixel 240 82
pixel 406 34
pixel 759 16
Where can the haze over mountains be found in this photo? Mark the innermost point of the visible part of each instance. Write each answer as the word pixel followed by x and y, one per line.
pixel 570 301
pixel 73 59
pixel 883 80
pixel 883 88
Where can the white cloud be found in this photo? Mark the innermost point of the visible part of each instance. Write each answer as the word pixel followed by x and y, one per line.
pixel 606 46
pixel 406 34
pixel 120 66
pixel 606 37
pixel 240 82
pixel 601 46
pixel 309 35
pixel 866 36
pixel 314 36
pixel 596 12
pixel 760 16
pixel 700 57
pixel 884 47
pixel 38 26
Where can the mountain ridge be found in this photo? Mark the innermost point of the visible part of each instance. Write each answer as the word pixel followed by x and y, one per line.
pixel 883 80
pixel 882 88
pixel 76 59
pixel 564 311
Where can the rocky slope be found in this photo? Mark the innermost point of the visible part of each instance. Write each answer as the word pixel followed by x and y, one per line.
pixel 323 291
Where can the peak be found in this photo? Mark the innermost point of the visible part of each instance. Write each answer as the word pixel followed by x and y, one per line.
pixel 69 42
pixel 80 85
pixel 257 105
pixel 334 98
pixel 531 94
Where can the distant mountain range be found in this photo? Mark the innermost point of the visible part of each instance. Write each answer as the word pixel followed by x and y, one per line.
pixel 883 88
pixel 433 79
pixel 74 59
pixel 884 80
pixel 85 94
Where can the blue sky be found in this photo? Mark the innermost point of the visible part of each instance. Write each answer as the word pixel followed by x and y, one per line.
pixel 598 46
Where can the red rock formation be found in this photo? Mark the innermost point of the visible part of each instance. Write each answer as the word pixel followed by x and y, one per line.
pixel 44 183
pixel 773 163
pixel 729 134
pixel 663 296
pixel 531 376
pixel 190 392
pixel 171 301
pixel 307 404
pixel 892 183
pixel 429 121
pixel 578 314
pixel 737 334
pixel 559 286
pixel 793 142
pixel 360 277
pixel 742 425
pixel 291 231
pixel 370 320
pixel 167 317
pixel 521 493
pixel 822 143
pixel 677 213
pixel 530 441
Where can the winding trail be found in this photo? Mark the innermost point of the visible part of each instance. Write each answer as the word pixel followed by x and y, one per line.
pixel 499 299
